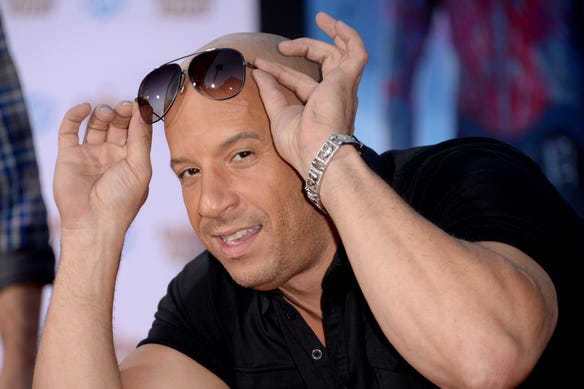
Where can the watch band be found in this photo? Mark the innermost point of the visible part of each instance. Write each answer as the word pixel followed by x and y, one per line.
pixel 321 162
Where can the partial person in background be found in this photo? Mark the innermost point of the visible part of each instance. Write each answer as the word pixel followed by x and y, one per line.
pixel 27 261
pixel 521 78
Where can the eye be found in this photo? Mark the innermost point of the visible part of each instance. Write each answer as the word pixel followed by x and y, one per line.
pixel 190 172
pixel 243 156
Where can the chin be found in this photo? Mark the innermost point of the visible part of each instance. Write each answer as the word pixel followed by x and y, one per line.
pixel 256 280
pixel 256 284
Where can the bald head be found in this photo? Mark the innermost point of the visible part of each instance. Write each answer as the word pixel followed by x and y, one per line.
pixel 248 101
pixel 264 45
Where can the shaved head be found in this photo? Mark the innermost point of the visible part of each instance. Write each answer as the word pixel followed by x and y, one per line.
pixel 264 45
pixel 251 45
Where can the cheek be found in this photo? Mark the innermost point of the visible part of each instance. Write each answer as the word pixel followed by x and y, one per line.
pixel 285 189
pixel 288 179
pixel 190 200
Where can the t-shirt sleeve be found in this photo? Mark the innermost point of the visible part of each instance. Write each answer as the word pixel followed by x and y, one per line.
pixel 187 320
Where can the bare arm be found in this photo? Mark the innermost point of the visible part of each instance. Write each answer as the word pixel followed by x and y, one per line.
pixel 19 323
pixel 154 366
pixel 463 314
pixel 99 186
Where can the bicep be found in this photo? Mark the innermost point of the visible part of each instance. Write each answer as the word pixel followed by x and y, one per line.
pixel 158 366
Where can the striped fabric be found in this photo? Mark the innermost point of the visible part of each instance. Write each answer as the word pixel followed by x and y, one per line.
pixel 25 253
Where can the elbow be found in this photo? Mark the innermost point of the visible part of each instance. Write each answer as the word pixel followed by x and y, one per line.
pixel 504 367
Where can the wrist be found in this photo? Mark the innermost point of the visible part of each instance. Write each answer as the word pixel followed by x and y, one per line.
pixel 93 232
pixel 89 260
pixel 320 163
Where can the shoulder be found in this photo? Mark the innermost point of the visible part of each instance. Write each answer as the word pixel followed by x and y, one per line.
pixel 461 164
pixel 403 168
pixel 450 153
pixel 484 189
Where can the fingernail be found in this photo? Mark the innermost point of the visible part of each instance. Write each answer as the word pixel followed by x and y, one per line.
pixel 105 108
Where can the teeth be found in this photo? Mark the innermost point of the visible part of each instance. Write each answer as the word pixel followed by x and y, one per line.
pixel 230 239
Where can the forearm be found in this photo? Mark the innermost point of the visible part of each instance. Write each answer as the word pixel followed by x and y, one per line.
pixel 445 304
pixel 76 347
pixel 19 322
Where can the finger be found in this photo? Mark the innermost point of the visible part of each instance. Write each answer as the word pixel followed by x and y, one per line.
pixel 348 46
pixel 98 124
pixel 139 141
pixel 69 129
pixel 328 25
pixel 345 37
pixel 271 92
pixel 300 83
pixel 312 49
pixel 118 129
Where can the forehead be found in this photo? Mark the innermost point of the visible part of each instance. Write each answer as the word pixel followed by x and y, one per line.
pixel 193 115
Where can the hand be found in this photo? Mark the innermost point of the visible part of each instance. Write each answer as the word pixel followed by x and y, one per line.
pixel 329 106
pixel 104 180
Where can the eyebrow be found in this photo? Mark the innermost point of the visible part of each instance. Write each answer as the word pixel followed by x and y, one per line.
pixel 240 135
pixel 228 142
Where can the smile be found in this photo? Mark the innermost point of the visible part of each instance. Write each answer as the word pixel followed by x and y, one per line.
pixel 240 235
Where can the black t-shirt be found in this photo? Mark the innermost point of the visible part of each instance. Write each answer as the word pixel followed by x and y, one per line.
pixel 473 188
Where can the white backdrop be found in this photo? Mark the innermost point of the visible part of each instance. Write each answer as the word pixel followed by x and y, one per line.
pixel 71 51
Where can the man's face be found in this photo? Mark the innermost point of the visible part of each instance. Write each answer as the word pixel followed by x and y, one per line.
pixel 245 203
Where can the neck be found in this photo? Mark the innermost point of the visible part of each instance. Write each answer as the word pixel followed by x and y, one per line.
pixel 304 292
pixel 305 301
pixel 308 305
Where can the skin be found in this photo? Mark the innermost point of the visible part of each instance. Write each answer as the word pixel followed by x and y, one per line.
pixel 235 183
pixel 19 324
pixel 463 314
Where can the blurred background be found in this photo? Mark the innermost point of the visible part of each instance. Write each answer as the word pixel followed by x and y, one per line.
pixel 422 55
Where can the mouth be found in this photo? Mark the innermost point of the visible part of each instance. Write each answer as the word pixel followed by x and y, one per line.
pixel 239 236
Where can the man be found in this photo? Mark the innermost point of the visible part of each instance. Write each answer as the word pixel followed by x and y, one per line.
pixel 26 258
pixel 339 284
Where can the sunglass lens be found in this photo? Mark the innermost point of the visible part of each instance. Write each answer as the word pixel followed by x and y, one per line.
pixel 218 74
pixel 158 91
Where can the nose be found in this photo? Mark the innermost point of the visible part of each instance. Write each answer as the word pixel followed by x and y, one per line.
pixel 217 194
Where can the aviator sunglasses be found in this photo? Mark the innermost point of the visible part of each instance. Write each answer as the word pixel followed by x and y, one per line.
pixel 217 74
